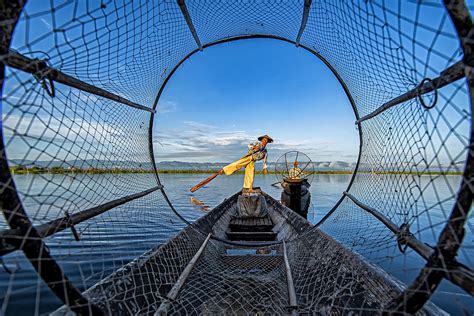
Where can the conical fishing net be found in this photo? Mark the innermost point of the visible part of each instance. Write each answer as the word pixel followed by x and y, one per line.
pixel 87 217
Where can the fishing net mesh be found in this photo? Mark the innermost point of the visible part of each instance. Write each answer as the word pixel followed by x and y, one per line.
pixel 85 159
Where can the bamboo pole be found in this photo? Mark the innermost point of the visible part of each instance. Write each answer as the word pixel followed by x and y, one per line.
pixel 41 70
pixel 456 272
pixel 173 293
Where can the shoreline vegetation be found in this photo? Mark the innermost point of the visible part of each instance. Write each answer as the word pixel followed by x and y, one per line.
pixel 17 170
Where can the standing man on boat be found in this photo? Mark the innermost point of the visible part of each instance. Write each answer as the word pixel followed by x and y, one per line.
pixel 257 151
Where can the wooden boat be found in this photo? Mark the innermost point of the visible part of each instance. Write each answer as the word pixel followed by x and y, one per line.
pixel 276 264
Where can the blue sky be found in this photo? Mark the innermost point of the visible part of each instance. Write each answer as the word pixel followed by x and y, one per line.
pixel 225 96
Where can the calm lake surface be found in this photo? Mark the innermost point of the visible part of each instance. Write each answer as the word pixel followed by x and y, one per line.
pixel 120 235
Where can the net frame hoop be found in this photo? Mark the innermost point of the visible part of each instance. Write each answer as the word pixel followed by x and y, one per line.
pixel 249 37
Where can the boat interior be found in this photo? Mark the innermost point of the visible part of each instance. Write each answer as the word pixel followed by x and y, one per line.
pixel 225 264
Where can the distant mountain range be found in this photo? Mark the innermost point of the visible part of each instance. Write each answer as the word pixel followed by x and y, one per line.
pixel 163 165
pixel 180 165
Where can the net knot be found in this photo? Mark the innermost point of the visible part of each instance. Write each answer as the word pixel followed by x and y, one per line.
pixel 402 236
pixel 42 74
pixel 70 223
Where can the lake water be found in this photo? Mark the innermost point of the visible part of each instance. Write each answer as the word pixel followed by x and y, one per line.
pixel 116 237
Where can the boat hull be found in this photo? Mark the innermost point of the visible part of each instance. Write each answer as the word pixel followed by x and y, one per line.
pixel 249 277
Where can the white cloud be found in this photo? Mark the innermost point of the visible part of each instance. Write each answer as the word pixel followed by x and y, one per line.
pixel 167 107
pixel 199 142
pixel 197 126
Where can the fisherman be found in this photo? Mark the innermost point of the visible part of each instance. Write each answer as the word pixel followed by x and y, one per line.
pixel 295 194
pixel 257 151
pixel 295 172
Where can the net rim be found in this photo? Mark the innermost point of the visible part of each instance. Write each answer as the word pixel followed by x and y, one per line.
pixel 250 37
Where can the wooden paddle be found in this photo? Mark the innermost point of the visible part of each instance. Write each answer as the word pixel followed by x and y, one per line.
pixel 204 182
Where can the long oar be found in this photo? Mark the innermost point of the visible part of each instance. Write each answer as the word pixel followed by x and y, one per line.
pixel 203 183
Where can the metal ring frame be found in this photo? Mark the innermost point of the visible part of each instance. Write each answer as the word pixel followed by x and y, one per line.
pixel 420 97
pixel 247 37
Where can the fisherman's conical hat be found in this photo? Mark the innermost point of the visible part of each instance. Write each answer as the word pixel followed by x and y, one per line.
pixel 270 140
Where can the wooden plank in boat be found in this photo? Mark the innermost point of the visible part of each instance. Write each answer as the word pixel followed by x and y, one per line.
pixel 251 221
pixel 264 221
pixel 254 236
